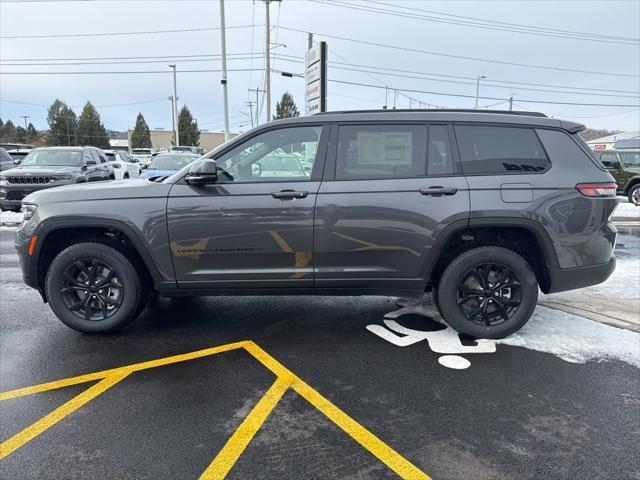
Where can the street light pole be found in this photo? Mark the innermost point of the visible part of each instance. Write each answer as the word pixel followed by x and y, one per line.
pixel 175 108
pixel 173 115
pixel 26 129
pixel 478 88
pixel 267 60
pixel 224 73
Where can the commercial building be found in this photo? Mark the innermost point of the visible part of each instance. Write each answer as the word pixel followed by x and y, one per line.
pixel 162 138
pixel 616 141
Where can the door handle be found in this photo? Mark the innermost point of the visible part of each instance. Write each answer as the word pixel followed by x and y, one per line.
pixel 289 194
pixel 438 191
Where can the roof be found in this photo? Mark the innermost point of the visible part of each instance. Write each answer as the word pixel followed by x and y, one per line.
pixel 440 115
pixel 118 142
pixel 627 143
pixel 615 137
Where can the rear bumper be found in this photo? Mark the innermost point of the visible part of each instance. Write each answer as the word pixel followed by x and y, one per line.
pixel 563 279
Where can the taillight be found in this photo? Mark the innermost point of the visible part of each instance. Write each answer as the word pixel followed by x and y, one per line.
pixel 597 189
pixel 116 165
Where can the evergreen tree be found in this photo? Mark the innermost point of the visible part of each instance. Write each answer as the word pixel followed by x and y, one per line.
pixel 286 107
pixel 140 137
pixel 188 130
pixel 9 132
pixel 1 125
pixel 63 124
pixel 31 132
pixel 91 131
pixel 21 135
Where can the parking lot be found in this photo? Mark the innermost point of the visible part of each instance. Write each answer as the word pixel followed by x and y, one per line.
pixel 291 387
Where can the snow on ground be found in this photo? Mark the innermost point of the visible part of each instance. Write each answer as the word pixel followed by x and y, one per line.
pixel 10 218
pixel 626 210
pixel 576 339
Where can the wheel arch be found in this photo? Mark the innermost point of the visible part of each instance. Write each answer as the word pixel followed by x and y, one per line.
pixel 630 183
pixel 521 235
pixel 42 256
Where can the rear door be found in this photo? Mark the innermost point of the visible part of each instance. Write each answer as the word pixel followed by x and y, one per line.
pixel 388 193
pixel 254 227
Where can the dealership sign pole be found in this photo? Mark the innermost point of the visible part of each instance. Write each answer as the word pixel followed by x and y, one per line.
pixel 315 79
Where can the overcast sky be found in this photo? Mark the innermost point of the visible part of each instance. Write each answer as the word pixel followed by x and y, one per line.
pixel 485 46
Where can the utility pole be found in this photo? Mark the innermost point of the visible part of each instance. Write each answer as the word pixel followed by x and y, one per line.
pixel 267 59
pixel 478 88
pixel 26 129
pixel 251 104
pixel 257 92
pixel 173 115
pixel 224 73
pixel 511 103
pixel 175 108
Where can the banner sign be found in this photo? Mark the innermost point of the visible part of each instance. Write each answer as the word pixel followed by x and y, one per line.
pixel 315 79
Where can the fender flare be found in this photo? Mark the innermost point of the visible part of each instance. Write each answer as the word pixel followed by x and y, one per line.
pixel 630 183
pixel 51 225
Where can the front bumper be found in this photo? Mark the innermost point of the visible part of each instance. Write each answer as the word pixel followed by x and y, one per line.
pixel 563 279
pixel 11 195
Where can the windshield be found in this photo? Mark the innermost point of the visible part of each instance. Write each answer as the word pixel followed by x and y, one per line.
pixel 630 159
pixel 171 162
pixel 279 163
pixel 63 158
pixel 111 156
pixel 141 151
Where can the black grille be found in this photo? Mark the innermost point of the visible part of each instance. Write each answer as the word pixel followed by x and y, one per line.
pixel 35 180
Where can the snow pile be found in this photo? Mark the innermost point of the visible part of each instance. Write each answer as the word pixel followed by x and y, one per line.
pixel 626 210
pixel 575 339
pixel 10 218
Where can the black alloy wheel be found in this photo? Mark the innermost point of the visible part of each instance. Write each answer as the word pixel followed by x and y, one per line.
pixel 91 289
pixel 489 294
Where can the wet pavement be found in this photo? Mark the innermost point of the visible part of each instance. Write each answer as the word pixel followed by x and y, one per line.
pixel 307 387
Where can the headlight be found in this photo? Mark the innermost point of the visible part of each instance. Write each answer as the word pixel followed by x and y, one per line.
pixel 59 178
pixel 28 211
pixel 4 182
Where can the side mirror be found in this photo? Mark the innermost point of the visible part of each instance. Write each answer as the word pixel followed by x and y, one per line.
pixel 144 166
pixel 90 163
pixel 203 172
pixel 16 162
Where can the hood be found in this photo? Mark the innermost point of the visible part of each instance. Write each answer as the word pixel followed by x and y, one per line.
pixel 25 171
pixel 109 190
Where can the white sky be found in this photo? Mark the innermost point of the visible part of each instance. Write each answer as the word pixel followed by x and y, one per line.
pixel 202 92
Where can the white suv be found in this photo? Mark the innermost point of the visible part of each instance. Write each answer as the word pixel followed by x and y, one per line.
pixel 124 165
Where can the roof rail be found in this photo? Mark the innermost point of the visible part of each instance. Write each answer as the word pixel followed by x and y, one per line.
pixel 444 110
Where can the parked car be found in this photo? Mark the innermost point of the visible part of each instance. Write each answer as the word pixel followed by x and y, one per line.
pixel 184 148
pixel 16 146
pixel 19 154
pixel 480 208
pixel 51 167
pixel 624 165
pixel 165 164
pixel 124 165
pixel 6 160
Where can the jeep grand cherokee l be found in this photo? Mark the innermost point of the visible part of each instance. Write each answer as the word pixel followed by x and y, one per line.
pixel 480 208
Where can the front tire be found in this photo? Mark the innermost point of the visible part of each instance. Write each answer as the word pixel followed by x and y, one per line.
pixel 488 292
pixel 93 288
pixel 634 195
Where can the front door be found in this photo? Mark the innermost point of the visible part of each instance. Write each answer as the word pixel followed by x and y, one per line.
pixel 389 191
pixel 254 227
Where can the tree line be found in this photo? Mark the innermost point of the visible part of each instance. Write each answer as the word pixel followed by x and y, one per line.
pixel 67 128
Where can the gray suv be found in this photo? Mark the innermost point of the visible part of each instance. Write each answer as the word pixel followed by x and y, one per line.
pixel 480 208
pixel 51 167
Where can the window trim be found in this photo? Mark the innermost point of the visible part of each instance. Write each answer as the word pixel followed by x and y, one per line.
pixel 505 125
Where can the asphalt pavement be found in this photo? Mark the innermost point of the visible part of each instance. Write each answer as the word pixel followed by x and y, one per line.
pixel 301 388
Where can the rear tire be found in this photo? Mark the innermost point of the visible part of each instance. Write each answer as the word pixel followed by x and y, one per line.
pixel 488 292
pixel 634 195
pixel 93 288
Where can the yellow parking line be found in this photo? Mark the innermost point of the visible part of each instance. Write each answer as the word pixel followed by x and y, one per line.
pixel 228 456
pixel 360 434
pixel 66 382
pixel 35 429
pixel 235 446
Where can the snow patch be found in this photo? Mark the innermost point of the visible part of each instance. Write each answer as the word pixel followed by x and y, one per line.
pixel 576 339
pixel 626 210
pixel 10 218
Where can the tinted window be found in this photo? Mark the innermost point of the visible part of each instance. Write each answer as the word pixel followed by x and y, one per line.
pixel 630 159
pixel 277 155
pixel 609 160
pixel 439 161
pixel 381 151
pixel 563 148
pixel 499 150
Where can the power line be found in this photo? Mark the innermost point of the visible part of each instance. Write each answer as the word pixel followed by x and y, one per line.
pixel 125 72
pixel 120 62
pixel 461 57
pixel 479 23
pixel 112 34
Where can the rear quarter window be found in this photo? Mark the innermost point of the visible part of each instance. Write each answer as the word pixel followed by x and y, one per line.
pixel 563 148
pixel 490 149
